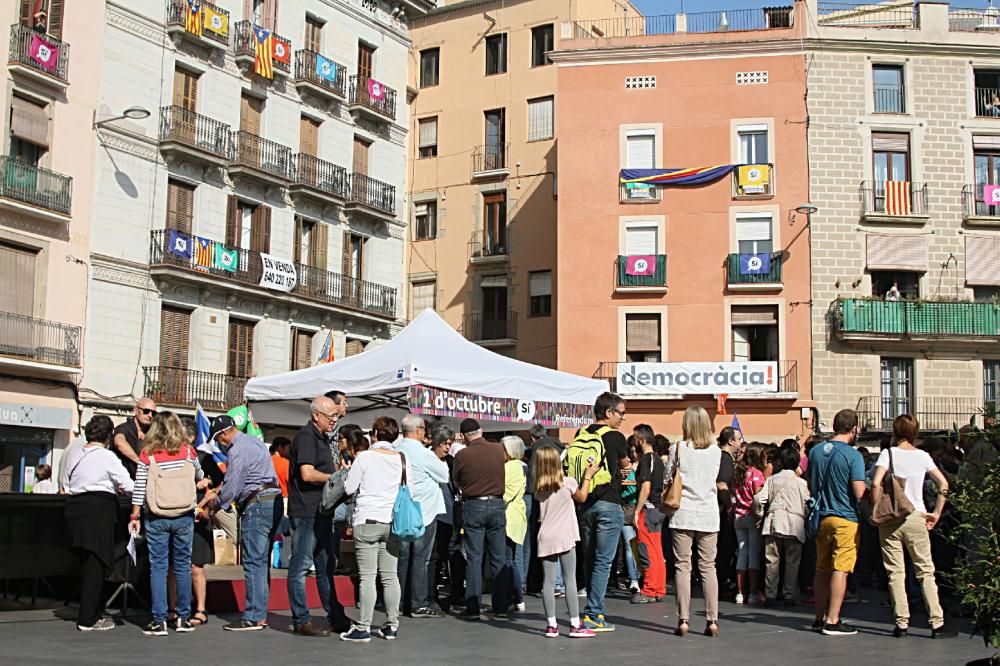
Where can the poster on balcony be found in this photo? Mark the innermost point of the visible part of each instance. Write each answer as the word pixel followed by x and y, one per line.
pixel 731 378
pixel 282 50
pixel 215 21
pixel 45 54
pixel 991 195
pixel 326 69
pixel 755 264
pixel 278 274
pixel 753 178
pixel 640 264
pixel 376 91
pixel 433 401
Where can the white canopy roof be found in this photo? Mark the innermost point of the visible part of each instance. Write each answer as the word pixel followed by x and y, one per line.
pixel 431 353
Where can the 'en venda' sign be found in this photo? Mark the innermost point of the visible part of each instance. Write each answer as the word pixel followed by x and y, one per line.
pixel 712 378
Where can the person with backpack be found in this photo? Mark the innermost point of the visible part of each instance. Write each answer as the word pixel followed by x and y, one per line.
pixel 166 482
pixel 377 476
pixel 601 517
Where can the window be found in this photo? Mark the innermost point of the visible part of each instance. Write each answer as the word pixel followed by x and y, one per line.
pixel 239 362
pixel 425 220
pixel 301 349
pixel 890 162
pixel 52 21
pixel 540 119
pixel 251 109
pixel 540 293
pixel 180 206
pixel 175 334
pixel 309 139
pixel 366 60
pixel 353 256
pixel 353 347
pixel 185 89
pixel 887 83
pixel 753 235
pixel 17 280
pixel 496 54
pixel 314 34
pixel 986 294
pixel 893 285
pixel 29 133
pixel 423 296
pixel 642 338
pixel 753 144
pixel 311 242
pixel 496 139
pixel 991 386
pixel 360 157
pixel 430 65
pixel 262 12
pixel 642 239
pixel 755 332
pixel 495 317
pixel 542 40
pixel 986 153
pixel 494 224
pixel 428 130
pixel 640 149
pixel 897 388
pixel 248 226
pixel 987 93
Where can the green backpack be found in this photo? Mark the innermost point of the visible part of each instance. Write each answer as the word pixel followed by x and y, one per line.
pixel 588 445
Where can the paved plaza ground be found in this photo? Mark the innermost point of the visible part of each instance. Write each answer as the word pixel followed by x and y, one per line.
pixel 750 636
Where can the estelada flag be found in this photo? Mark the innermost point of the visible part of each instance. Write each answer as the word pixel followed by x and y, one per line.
pixel 263 59
pixel 192 17
pixel 326 354
pixel 203 253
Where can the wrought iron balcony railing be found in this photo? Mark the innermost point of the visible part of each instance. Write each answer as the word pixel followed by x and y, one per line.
pixel 876 412
pixel 322 176
pixel 262 154
pixel 35 186
pixel 314 68
pixel 490 327
pixel 181 387
pixel 245 45
pixel 39 51
pixel 38 340
pixel 373 193
pixel 877 199
pixel 217 31
pixel 975 204
pixel 373 95
pixel 196 131
pixel 489 158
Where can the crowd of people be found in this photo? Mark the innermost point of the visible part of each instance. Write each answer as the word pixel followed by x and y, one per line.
pixel 802 522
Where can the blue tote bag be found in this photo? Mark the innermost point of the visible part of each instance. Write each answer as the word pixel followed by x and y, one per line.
pixel 407 518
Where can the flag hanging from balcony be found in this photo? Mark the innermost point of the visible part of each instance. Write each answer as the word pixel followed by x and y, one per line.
pixel 691 176
pixel 640 264
pixel 263 53
pixel 991 195
pixel 225 259
pixel 376 90
pixel 326 354
pixel 201 441
pixel 44 53
pixel 179 244
pixel 203 253
pixel 897 197
pixel 281 50
pixel 326 69
pixel 755 264
pixel 192 17
pixel 753 178
pixel 215 21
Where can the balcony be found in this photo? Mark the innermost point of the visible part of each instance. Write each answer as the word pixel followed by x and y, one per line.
pixel 489 249
pixel 180 387
pixel 788 382
pixel 191 135
pixel 987 102
pixel 753 181
pixel 743 275
pixel 35 191
pixel 497 329
pixel 319 76
pixel 45 343
pixel 867 320
pixel 871 14
pixel 639 193
pixel 214 28
pixel 975 209
pixel 319 180
pixel 261 159
pixel 312 284
pixel 38 56
pixel 372 99
pixel 974 20
pixel 490 161
pixel 890 99
pixel 245 50
pixel 639 274
pixel 894 202
pixel 738 20
pixel 371 198
pixel 877 412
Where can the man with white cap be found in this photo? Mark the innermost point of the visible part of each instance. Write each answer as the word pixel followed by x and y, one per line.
pixel 252 483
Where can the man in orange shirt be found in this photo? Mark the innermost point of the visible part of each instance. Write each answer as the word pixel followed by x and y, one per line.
pixel 279 456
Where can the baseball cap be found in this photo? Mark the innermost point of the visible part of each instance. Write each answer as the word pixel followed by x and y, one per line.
pixel 220 423
pixel 469 425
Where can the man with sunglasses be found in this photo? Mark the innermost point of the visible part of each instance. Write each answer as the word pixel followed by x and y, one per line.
pixel 129 435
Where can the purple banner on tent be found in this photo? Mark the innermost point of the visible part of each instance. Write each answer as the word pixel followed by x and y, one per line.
pixel 439 402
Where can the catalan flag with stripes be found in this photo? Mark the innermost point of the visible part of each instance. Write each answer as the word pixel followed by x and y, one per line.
pixel 326 355
pixel 690 176
pixel 897 197
pixel 192 17
pixel 203 253
pixel 263 63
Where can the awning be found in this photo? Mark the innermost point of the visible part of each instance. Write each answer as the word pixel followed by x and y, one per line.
pixel 982 260
pixel 29 122
pixel 897 252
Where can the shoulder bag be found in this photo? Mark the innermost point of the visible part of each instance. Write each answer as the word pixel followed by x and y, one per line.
pixel 893 506
pixel 333 491
pixel 670 501
pixel 407 518
pixel 812 504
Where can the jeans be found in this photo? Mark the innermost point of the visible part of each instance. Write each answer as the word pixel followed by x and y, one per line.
pixel 748 543
pixel 485 524
pixel 415 572
pixel 629 535
pixel 377 551
pixel 507 585
pixel 706 542
pixel 169 542
pixel 258 523
pixel 524 552
pixel 313 542
pixel 600 529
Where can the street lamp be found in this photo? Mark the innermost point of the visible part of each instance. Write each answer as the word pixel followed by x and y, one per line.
pixel 806 208
pixel 132 113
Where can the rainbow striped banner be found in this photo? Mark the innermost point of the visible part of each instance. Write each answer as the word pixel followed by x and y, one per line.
pixel 690 176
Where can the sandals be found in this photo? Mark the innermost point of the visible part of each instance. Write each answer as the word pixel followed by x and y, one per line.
pixel 712 629
pixel 199 618
pixel 682 628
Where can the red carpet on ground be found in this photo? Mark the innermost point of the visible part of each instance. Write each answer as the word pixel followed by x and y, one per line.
pixel 230 595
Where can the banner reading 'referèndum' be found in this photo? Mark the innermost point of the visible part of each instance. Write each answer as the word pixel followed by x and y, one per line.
pixel 693 378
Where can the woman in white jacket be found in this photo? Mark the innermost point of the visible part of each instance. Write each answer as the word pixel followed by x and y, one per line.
pixel 782 503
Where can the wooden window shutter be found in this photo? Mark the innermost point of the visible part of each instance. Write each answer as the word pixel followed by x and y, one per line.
pixel 754 315
pixel 185 89
pixel 175 334
pixel 26 6
pixel 180 206
pixel 365 58
pixel 308 136
pixel 297 240
pixel 345 263
pixel 301 349
pixel 890 142
pixel 260 230
pixel 354 347
pixel 250 111
pixel 318 245
pixel 17 280
pixel 642 332
pixel 269 15
pixel 240 361
pixel 314 34
pixel 360 162
pixel 55 16
pixel 232 221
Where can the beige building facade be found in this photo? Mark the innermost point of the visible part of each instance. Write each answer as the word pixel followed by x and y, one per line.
pixel 904 143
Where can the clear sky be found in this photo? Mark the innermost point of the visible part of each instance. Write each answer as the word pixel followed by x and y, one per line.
pixel 654 7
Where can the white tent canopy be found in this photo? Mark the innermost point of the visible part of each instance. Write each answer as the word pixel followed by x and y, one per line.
pixel 427 352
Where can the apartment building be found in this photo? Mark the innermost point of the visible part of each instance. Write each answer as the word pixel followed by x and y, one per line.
pixel 483 169
pixel 50 96
pixel 257 214
pixel 904 158
pixel 683 227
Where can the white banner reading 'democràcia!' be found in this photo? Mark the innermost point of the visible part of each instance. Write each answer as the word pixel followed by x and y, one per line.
pixel 713 378
pixel 278 274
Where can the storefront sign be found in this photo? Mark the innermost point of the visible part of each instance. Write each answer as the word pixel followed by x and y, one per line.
pixel 33 416
pixel 439 402
pixel 278 274
pixel 696 378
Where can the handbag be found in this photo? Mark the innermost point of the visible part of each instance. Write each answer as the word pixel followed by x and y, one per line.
pixel 407 518
pixel 893 506
pixel 812 504
pixel 670 500
pixel 333 491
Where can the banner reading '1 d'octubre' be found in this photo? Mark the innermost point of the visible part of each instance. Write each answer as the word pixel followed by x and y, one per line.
pixel 439 402
pixel 734 378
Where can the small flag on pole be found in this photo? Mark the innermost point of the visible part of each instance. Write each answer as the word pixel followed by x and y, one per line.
pixel 736 423
pixel 201 439
pixel 326 354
